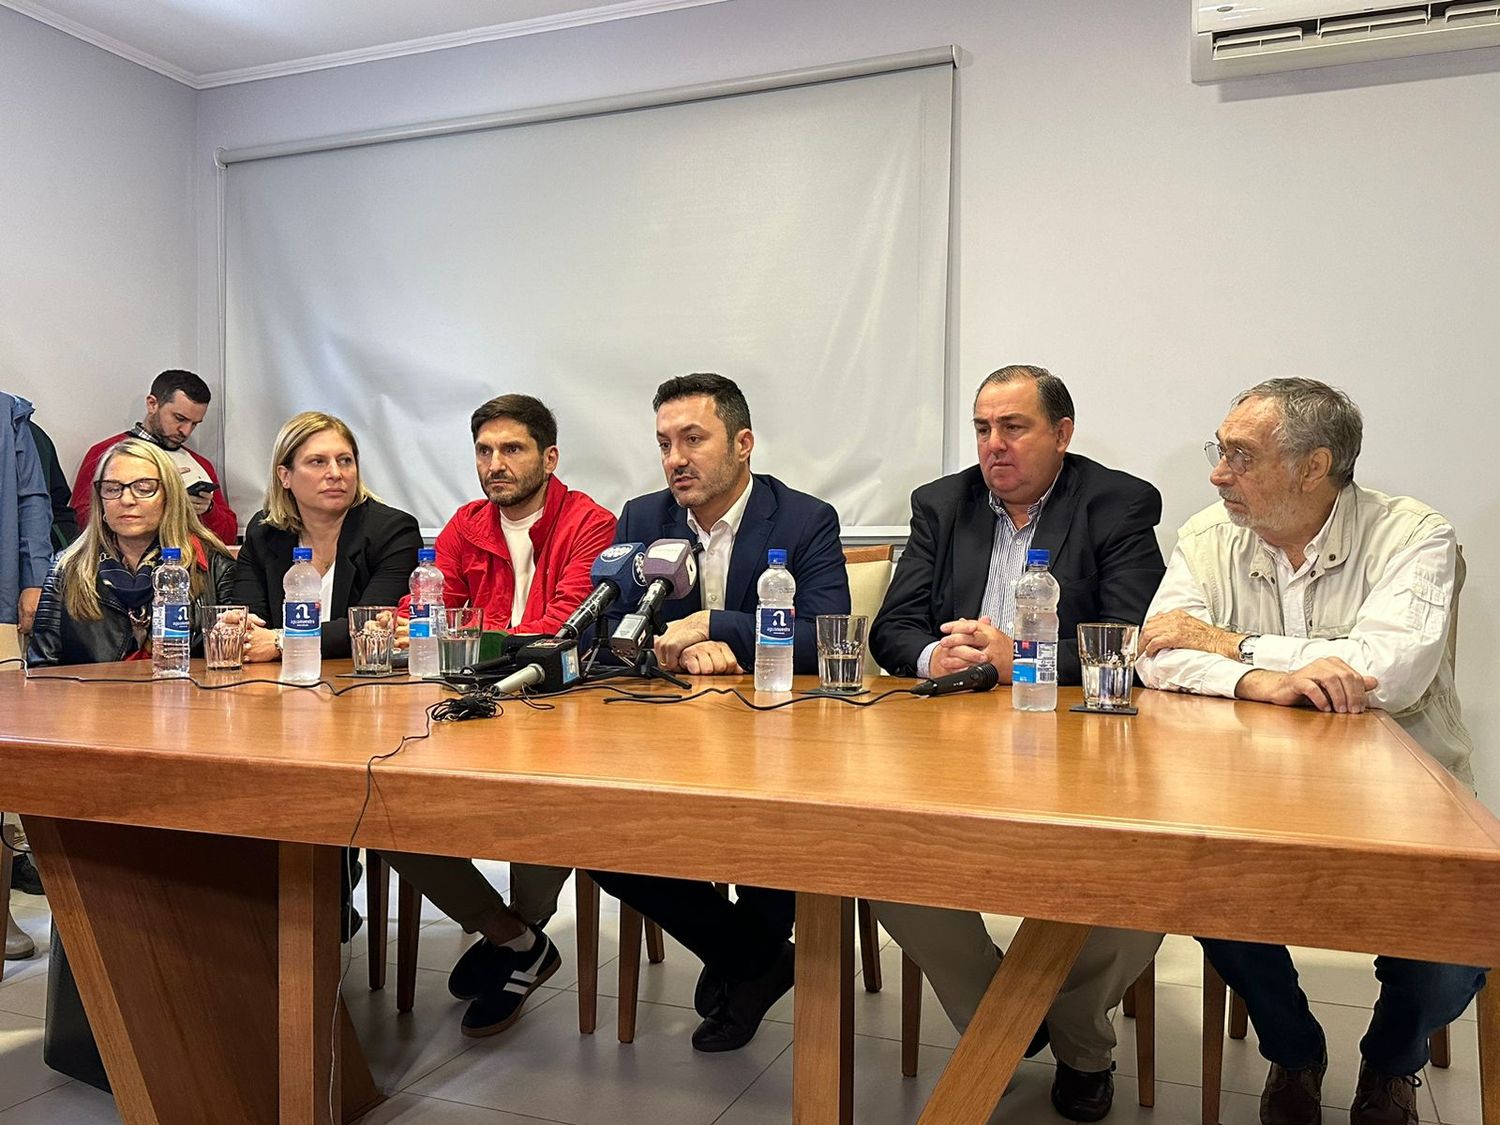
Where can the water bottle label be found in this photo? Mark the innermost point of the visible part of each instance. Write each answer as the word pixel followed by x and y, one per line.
pixel 302 619
pixel 420 626
pixel 777 626
pixel 1034 662
pixel 170 621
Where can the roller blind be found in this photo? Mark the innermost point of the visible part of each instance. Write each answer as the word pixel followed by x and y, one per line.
pixel 794 239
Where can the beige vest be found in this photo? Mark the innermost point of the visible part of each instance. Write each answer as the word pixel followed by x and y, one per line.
pixel 1236 571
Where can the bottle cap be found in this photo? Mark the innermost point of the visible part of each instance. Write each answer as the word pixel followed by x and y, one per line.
pixel 776 556
pixel 426 554
pixel 1036 557
pixel 171 554
pixel 301 554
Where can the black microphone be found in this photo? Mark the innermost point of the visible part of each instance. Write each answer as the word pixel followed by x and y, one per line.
pixel 614 574
pixel 670 570
pixel 548 665
pixel 980 677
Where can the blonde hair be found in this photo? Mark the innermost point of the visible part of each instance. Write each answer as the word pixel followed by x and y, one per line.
pixel 78 566
pixel 281 506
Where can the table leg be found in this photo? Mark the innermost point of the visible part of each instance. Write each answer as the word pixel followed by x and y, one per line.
pixel 308 960
pixel 823 1012
pixel 1023 988
pixel 1489 1052
pixel 177 946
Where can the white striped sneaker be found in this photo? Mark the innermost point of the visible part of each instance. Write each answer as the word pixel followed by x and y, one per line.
pixel 514 976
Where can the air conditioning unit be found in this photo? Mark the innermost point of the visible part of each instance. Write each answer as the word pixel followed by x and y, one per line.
pixel 1235 40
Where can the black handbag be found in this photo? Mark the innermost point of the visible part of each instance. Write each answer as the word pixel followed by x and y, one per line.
pixel 68 1042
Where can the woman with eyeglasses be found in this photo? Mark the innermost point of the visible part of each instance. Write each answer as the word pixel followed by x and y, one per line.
pixel 96 603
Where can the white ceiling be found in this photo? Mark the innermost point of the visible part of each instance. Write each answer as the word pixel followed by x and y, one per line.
pixel 216 42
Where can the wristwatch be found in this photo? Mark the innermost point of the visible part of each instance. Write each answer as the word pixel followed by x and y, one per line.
pixel 1247 648
pixel 278 636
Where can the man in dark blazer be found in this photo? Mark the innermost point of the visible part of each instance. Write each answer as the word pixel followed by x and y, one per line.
pixel 713 500
pixel 950 606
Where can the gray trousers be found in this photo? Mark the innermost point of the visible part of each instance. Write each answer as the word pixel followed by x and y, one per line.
pixel 457 888
pixel 958 956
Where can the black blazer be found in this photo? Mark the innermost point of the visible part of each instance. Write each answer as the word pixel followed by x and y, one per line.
pixel 776 516
pixel 1098 523
pixel 377 553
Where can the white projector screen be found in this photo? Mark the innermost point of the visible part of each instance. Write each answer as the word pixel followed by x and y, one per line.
pixel 794 239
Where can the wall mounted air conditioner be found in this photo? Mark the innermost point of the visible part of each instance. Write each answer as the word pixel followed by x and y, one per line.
pixel 1234 40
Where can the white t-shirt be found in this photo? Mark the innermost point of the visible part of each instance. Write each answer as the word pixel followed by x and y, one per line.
pixel 522 558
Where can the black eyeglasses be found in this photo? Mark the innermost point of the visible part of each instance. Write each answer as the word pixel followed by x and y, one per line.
pixel 142 489
pixel 1239 460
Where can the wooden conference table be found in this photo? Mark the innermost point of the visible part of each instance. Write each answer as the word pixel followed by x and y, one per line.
pixel 187 841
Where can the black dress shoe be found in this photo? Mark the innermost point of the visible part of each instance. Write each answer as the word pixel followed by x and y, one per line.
pixel 24 877
pixel 1082 1095
pixel 745 1004
pixel 708 993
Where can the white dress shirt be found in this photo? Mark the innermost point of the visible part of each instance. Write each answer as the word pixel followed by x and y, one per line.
pixel 718 547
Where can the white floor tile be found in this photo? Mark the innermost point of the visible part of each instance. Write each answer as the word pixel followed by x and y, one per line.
pixel 1456 1089
pixel 544 1068
pixel 72 1103
pixel 883 1097
pixel 412 1109
pixel 22 1072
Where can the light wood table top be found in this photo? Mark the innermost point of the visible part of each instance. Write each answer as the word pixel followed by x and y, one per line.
pixel 1198 815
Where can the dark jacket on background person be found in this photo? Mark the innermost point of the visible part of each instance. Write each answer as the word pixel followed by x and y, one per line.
pixel 59 638
pixel 64 520
pixel 377 552
pixel 1099 524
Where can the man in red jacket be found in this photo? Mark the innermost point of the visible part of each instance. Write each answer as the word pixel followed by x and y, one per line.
pixel 175 407
pixel 523 554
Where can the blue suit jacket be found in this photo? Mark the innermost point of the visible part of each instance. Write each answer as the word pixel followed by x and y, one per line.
pixel 777 516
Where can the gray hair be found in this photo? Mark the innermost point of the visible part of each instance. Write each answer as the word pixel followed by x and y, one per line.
pixel 1314 416
pixel 1051 392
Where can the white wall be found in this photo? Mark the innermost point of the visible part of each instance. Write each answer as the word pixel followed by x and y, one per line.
pixel 1157 244
pixel 97 252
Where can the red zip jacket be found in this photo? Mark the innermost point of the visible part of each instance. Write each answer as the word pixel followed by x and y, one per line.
pixel 220 517
pixel 477 570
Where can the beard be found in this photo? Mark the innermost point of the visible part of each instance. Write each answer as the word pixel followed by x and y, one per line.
pixel 509 493
pixel 706 486
pixel 1279 517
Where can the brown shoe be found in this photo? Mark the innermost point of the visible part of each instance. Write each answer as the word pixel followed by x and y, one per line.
pixel 1293 1097
pixel 1384 1099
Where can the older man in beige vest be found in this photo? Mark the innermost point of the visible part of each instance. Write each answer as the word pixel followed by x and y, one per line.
pixel 1302 588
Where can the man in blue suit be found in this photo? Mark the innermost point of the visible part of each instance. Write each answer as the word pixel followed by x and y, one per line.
pixel 714 500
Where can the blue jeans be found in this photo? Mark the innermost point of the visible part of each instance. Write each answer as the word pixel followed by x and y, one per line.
pixel 1416 999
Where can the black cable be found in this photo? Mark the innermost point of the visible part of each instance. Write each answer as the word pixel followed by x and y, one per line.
pixel 201 686
pixel 643 697
pixel 11 660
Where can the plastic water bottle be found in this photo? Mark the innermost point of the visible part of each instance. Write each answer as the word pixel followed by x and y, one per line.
pixel 426 603
pixel 171 628
pixel 775 624
pixel 302 621
pixel 1033 674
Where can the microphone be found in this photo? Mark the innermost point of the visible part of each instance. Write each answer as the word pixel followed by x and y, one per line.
pixel 613 574
pixel 980 677
pixel 669 568
pixel 550 665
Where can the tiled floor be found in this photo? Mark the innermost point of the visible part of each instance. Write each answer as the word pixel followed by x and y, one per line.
pixel 542 1070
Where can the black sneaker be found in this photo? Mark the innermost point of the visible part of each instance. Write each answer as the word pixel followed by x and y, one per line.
pixel 514 977
pixel 479 963
pixel 24 877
